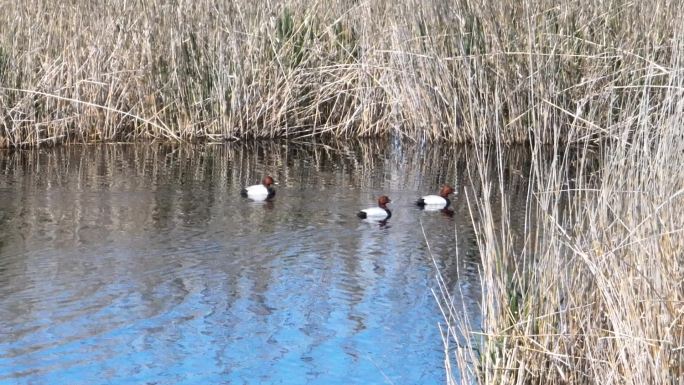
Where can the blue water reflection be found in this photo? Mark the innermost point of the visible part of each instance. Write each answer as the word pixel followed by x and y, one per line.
pixel 142 265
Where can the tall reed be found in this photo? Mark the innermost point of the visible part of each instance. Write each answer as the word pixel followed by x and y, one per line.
pixel 593 292
pixel 204 70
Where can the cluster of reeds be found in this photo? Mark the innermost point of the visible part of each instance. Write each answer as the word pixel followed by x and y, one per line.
pixel 593 291
pixel 205 70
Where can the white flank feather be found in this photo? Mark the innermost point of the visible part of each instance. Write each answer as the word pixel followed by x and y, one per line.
pixel 375 213
pixel 434 201
pixel 258 192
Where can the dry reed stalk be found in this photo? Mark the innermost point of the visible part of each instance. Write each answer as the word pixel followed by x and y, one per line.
pixel 208 71
pixel 593 292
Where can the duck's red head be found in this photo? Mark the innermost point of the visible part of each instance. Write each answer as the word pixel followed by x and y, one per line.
pixel 267 181
pixel 383 200
pixel 446 190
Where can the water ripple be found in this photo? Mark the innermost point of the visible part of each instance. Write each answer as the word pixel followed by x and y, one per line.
pixel 144 265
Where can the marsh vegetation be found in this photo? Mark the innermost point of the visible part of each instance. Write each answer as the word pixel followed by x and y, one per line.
pixel 592 292
pixel 204 70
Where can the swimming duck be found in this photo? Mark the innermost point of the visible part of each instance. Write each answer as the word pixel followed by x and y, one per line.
pixel 437 202
pixel 260 192
pixel 379 213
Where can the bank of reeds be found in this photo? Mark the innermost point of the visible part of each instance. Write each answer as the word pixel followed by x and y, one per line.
pixel 593 292
pixel 219 70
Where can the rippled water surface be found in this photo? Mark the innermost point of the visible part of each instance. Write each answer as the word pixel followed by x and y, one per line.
pixel 123 264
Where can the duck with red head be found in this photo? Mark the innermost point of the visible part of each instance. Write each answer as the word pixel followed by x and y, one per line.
pixel 380 213
pixel 436 202
pixel 260 192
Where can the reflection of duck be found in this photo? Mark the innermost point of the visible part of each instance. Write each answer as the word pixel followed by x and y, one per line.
pixel 260 192
pixel 380 213
pixel 436 202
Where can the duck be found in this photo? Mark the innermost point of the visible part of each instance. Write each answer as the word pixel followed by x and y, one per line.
pixel 260 192
pixel 437 202
pixel 380 213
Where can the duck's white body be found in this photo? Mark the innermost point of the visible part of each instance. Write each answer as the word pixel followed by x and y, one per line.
pixel 258 192
pixel 433 202
pixel 436 202
pixel 380 213
pixel 376 213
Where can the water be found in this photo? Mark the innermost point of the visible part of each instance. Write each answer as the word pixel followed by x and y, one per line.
pixel 141 264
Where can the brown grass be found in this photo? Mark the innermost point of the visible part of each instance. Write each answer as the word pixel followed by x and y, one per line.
pixel 423 70
pixel 593 292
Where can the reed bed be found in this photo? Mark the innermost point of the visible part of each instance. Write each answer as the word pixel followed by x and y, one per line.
pixel 593 291
pixel 424 70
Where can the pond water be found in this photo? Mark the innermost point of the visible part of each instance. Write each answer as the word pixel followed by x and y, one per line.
pixel 141 264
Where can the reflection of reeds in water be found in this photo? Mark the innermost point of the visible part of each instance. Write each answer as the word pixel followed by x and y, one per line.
pixel 93 195
pixel 166 177
pixel 247 162
pixel 419 69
